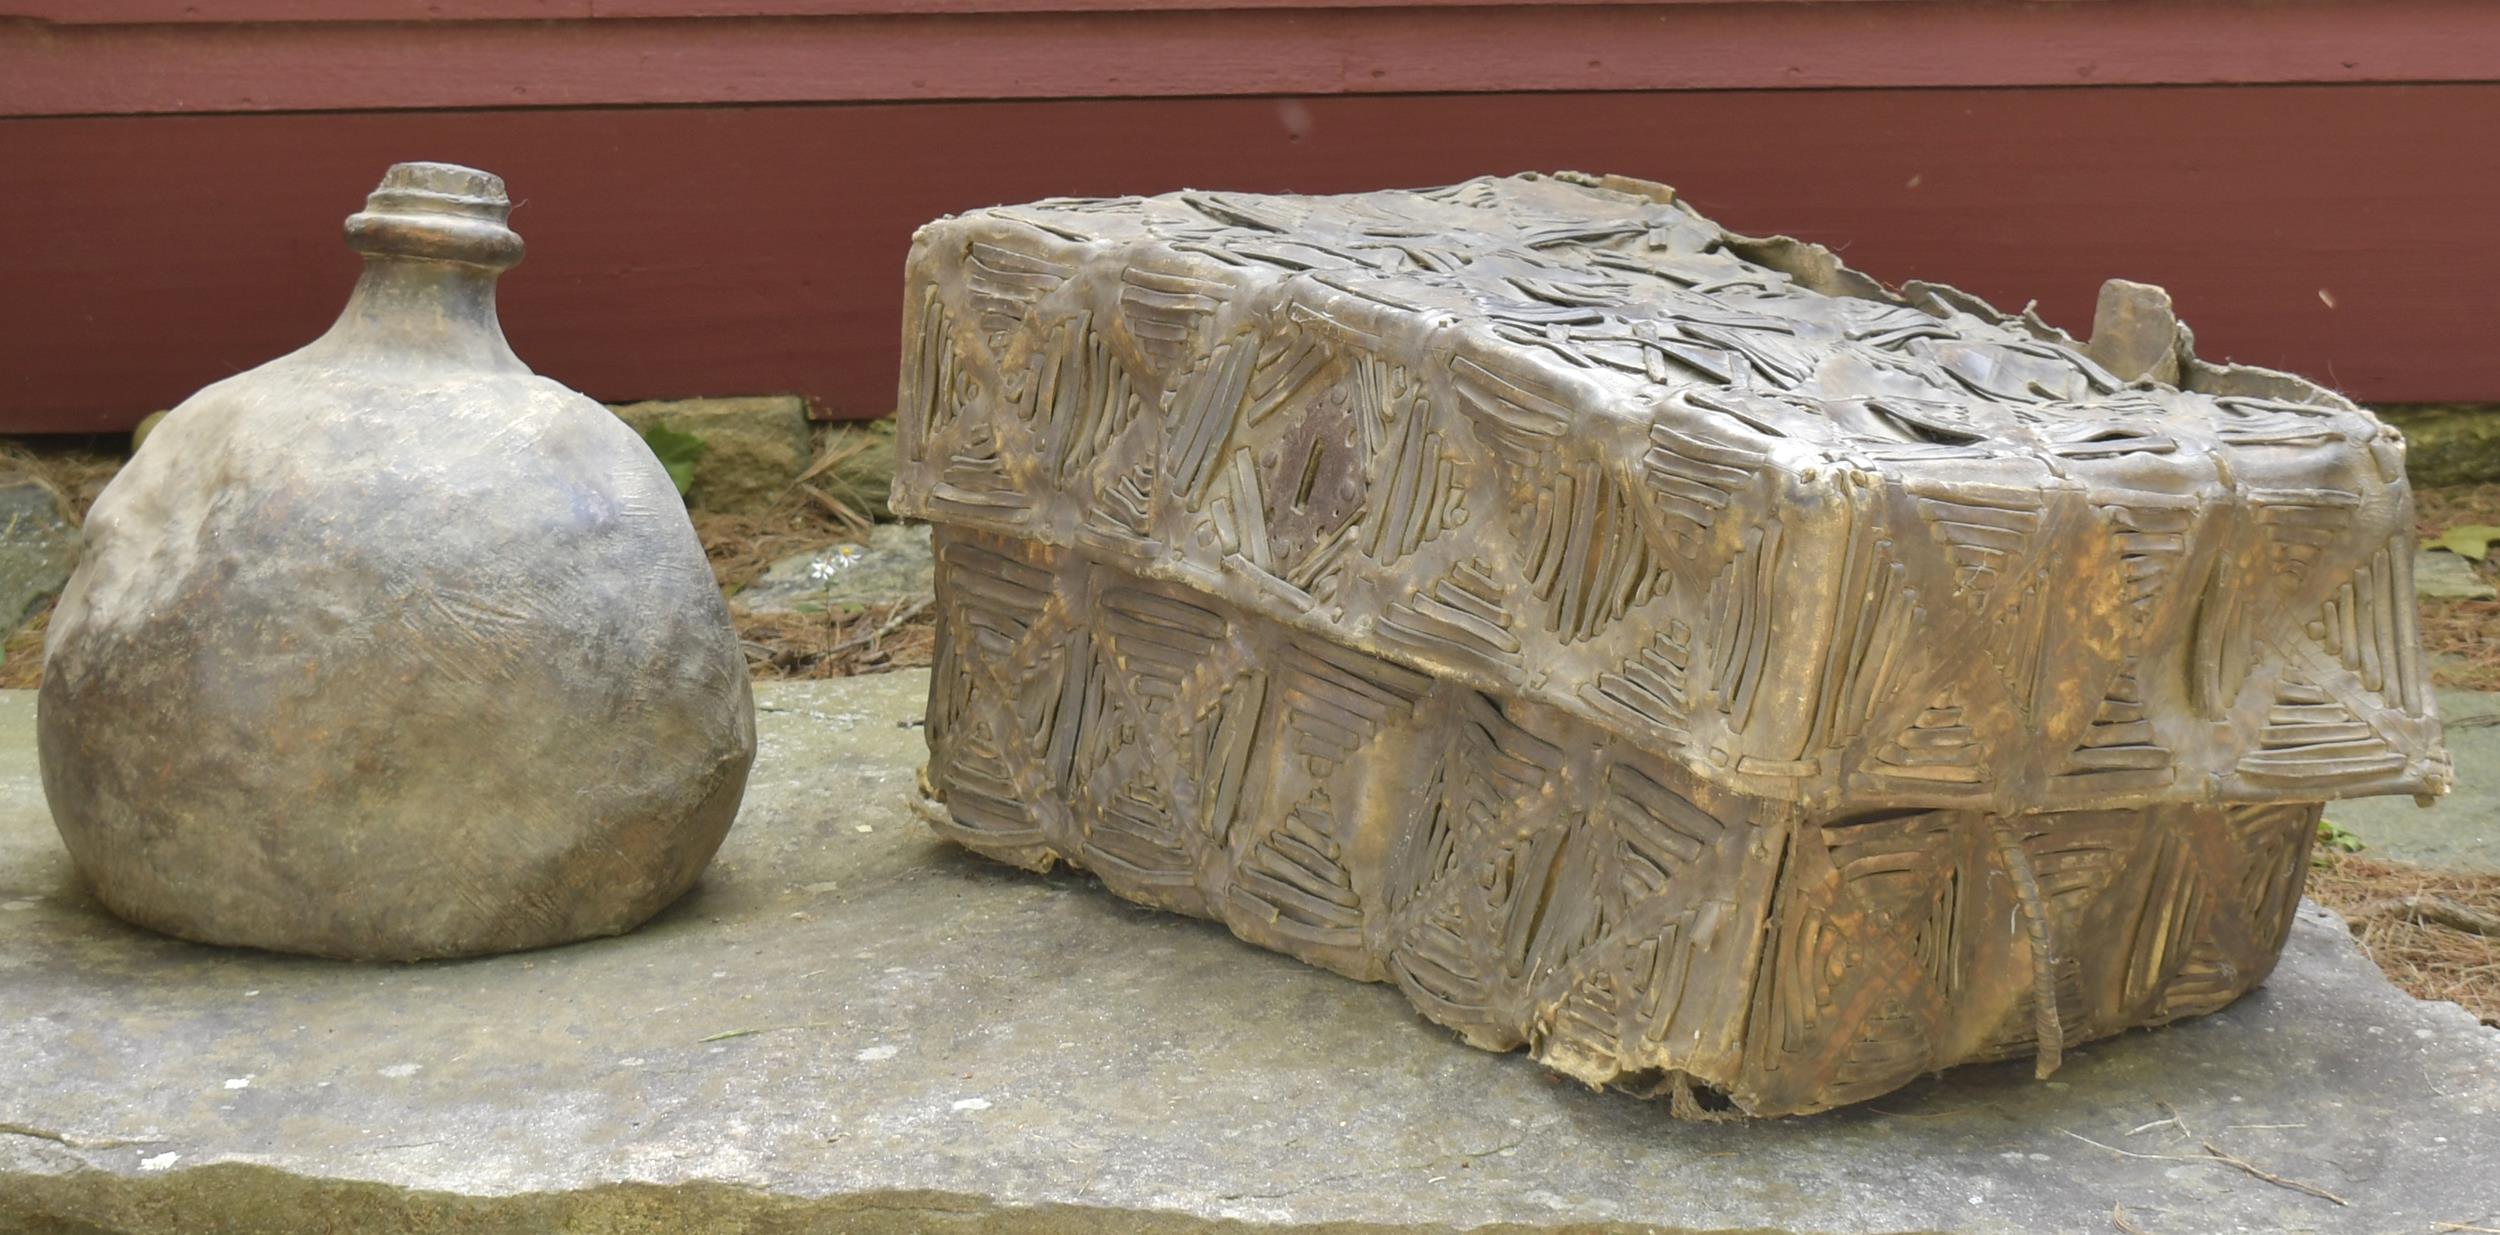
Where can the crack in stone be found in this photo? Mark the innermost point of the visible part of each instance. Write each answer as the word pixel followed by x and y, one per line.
pixel 77 1142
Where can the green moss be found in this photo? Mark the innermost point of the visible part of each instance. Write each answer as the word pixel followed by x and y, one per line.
pixel 2448 444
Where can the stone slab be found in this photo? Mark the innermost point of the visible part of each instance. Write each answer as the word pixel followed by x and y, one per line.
pixel 753 448
pixel 2449 444
pixel 894 566
pixel 2460 831
pixel 2441 575
pixel 38 549
pixel 848 1027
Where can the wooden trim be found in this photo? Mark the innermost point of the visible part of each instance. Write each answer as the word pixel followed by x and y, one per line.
pixel 255 12
pixel 817 8
pixel 229 12
pixel 52 70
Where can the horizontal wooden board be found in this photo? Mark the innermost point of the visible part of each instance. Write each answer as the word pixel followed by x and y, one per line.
pixel 2338 231
pixel 191 12
pixel 704 52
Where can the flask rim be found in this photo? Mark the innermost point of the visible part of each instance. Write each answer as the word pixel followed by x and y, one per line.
pixel 437 212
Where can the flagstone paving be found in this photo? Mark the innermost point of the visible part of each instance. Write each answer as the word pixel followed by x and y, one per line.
pixel 850 1027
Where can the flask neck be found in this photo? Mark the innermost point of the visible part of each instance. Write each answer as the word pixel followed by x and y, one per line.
pixel 434 239
pixel 424 310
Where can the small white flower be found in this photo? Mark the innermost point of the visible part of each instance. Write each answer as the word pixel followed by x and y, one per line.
pixel 824 566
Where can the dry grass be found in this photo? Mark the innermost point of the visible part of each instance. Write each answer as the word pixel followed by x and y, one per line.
pixel 2463 635
pixel 2438 508
pixel 2428 959
pixel 21 656
pixel 743 546
pixel 74 478
pixel 841 643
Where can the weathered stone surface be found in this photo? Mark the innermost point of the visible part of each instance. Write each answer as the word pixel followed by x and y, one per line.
pixel 752 447
pixel 2460 831
pixel 850 1027
pixel 2449 445
pixel 894 566
pixel 38 549
pixel 2441 575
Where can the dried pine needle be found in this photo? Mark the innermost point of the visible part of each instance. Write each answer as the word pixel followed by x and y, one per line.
pixel 2429 954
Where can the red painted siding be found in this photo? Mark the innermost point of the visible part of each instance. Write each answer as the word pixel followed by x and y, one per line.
pixel 2340 231
pixel 172 171
pixel 193 12
pixel 685 52
pixel 132 12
